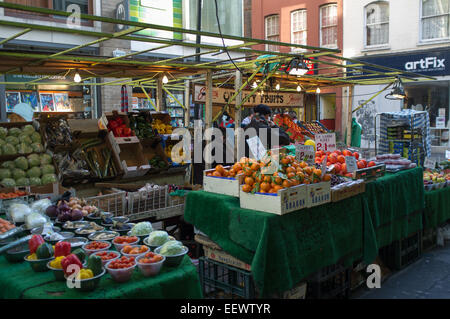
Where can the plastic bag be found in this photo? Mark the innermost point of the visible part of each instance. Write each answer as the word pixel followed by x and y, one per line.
pixel 18 211
pixel 34 220
pixel 41 206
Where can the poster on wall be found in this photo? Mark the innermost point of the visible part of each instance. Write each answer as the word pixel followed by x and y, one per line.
pixel 12 99
pixel 47 103
pixel 31 99
pixel 62 103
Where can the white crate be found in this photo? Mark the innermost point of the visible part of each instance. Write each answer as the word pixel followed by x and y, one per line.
pixel 318 194
pixel 285 201
pixel 222 185
pixel 113 203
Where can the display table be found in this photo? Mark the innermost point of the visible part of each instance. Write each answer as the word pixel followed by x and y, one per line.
pixel 282 250
pixel 18 280
pixel 437 207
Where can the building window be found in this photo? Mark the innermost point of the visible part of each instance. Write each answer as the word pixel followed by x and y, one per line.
pixel 377 23
pixel 435 19
pixel 230 16
pixel 298 27
pixel 272 31
pixel 63 5
pixel 328 25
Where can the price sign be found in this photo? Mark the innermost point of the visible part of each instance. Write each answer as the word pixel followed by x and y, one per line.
pixel 305 153
pixel 326 142
pixel 447 155
pixel 352 165
pixel 429 163
pixel 256 147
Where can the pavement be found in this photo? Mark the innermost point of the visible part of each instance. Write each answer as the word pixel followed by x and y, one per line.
pixel 427 278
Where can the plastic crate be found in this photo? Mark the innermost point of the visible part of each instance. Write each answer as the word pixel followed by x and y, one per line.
pixel 402 253
pixel 115 203
pixel 332 282
pixel 429 239
pixel 222 281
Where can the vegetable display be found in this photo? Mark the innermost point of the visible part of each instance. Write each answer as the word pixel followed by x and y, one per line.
pixel 58 133
pixel 62 248
pixel 141 126
pixel 172 248
pixel 141 229
pixel 125 240
pixel 95 264
pixel 44 251
pixel 104 255
pixel 122 263
pixel 96 245
pixel 5 226
pixel 134 250
pixel 151 258
pixel 70 260
pixel 118 126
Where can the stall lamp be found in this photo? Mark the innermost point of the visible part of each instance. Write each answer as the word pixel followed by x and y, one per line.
pixel 297 67
pixel 398 93
pixel 299 88
pixel 277 87
pixel 165 80
pixel 255 85
pixel 318 91
pixel 77 78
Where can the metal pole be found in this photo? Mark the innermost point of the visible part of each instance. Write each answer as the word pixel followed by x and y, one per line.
pixel 197 50
pixel 349 115
pixel 208 111
pixel 237 115
pixel 159 94
pixel 3 115
pixel 187 103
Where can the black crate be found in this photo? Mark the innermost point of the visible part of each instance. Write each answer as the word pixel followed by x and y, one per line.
pixel 402 253
pixel 332 282
pixel 429 239
pixel 195 249
pixel 221 281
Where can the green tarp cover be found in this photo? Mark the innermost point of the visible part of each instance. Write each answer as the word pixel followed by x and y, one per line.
pixel 18 280
pixel 281 250
pixel 437 207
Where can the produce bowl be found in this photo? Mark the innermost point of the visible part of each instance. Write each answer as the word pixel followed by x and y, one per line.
pixel 93 217
pixel 108 251
pixel 58 273
pixel 89 284
pixel 153 247
pixel 152 269
pixel 141 237
pixel 120 275
pixel 78 224
pixel 117 219
pixel 76 242
pixel 82 232
pixel 122 231
pixel 104 235
pixel 135 255
pixel 17 253
pixel 174 260
pixel 92 251
pixel 39 230
pixel 38 265
pixel 66 235
pixel 60 223
pixel 120 246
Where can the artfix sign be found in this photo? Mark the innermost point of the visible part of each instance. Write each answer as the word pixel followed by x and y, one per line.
pixel 427 64
pixel 272 99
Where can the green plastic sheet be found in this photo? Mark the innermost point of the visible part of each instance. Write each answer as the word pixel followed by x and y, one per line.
pixel 437 207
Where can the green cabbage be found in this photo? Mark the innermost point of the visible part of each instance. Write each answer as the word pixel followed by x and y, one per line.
pixel 46 159
pixel 14 131
pixel 36 137
pixel 3 132
pixel 24 138
pixel 47 169
pixel 9 149
pixel 23 182
pixel 28 129
pixel 21 162
pixel 37 147
pixel 2 142
pixel 18 173
pixel 49 179
pixel 9 165
pixel 157 238
pixel 142 228
pixel 34 172
pixel 35 181
pixel 13 140
pixel 5 173
pixel 24 148
pixel 8 182
pixel 33 160
pixel 172 248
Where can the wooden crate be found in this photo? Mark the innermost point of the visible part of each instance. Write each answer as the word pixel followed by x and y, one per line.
pixel 347 190
pixel 222 185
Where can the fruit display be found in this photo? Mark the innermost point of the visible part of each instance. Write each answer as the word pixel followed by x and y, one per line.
pixel 134 250
pixel 15 140
pixel 162 128
pixel 151 258
pixel 336 161
pixel 433 179
pixel 58 133
pixel 118 126
pixel 107 256
pixel 122 263
pixel 141 126
pixel 295 132
pixel 96 245
pixel 125 240
pixel 33 170
pixel 314 127
pixel 12 195
pixel 5 226
pixel 72 210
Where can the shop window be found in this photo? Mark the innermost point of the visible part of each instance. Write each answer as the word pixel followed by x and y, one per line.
pixel 63 5
pixel 299 27
pixel 328 25
pixel 272 30
pixel 435 20
pixel 377 23
pixel 230 16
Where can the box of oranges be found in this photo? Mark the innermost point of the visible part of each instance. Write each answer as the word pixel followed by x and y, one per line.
pixel 318 194
pixel 223 180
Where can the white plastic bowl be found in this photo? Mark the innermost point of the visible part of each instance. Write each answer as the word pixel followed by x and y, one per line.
pixel 104 262
pixel 135 255
pixel 120 246
pixel 120 275
pixel 91 251
pixel 149 270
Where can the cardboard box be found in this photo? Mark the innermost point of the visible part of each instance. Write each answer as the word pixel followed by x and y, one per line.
pixel 370 173
pixel 133 162
pixel 222 185
pixel 286 201
pixel 338 194
pixel 50 191
pixel 86 128
pixel 318 194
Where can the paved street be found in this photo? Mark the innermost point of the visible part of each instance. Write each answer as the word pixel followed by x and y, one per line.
pixel 427 278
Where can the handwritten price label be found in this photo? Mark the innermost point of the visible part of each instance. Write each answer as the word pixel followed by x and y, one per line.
pixel 256 147
pixel 326 142
pixel 429 163
pixel 305 153
pixel 352 165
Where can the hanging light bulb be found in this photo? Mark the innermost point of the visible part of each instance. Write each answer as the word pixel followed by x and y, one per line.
pixel 318 91
pixel 277 87
pixel 77 77
pixel 165 80
pixel 299 88
pixel 255 85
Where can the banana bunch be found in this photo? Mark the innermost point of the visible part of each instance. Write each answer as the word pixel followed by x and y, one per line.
pixel 161 127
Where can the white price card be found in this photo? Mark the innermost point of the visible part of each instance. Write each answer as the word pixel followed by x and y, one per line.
pixel 326 142
pixel 447 155
pixel 352 165
pixel 429 163
pixel 256 147
pixel 305 153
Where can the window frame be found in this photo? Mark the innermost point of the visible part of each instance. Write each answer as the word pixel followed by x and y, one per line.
pixel 305 12
pixel 376 46
pixel 421 19
pixel 321 28
pixel 267 46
